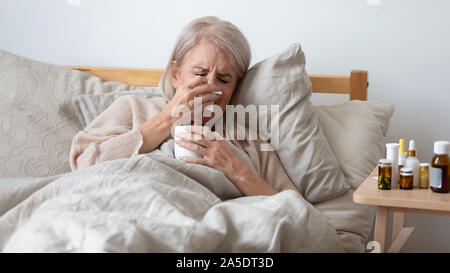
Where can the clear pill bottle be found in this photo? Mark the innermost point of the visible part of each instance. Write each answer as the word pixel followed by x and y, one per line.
pixel 424 176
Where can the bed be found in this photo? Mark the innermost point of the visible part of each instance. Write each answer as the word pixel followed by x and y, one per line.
pixel 121 206
pixel 355 84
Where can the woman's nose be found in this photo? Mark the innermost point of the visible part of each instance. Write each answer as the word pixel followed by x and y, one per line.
pixel 211 78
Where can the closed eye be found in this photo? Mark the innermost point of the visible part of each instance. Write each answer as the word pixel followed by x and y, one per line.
pixel 224 81
pixel 205 74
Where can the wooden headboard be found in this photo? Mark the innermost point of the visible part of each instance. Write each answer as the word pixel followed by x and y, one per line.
pixel 354 84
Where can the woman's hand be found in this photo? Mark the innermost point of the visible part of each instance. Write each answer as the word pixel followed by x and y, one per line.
pixel 218 155
pixel 155 130
pixel 185 94
pixel 216 152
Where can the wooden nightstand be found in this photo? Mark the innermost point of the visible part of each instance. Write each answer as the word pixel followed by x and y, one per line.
pixel 399 202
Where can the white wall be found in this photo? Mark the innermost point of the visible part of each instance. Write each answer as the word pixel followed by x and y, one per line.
pixel 403 44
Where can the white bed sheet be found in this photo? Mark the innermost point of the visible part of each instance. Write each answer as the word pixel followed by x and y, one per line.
pixel 351 221
pixel 122 206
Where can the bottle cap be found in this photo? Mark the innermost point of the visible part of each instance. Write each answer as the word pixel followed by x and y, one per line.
pixel 392 150
pixel 392 145
pixel 424 164
pixel 384 162
pixel 401 142
pixel 441 147
pixel 412 145
pixel 406 171
pixel 412 149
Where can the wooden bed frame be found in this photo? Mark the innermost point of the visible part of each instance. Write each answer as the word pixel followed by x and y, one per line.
pixel 355 84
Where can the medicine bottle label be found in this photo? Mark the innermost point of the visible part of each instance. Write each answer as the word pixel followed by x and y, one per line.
pixel 435 177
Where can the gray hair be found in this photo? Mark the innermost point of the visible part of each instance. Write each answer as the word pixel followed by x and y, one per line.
pixel 223 34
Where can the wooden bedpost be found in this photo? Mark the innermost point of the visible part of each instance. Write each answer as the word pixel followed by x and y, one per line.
pixel 358 85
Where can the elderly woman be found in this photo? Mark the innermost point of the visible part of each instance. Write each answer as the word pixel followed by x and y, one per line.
pixel 209 55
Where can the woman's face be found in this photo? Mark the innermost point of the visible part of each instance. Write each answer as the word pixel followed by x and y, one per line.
pixel 207 60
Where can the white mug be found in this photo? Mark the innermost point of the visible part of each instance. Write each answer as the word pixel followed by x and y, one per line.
pixel 181 151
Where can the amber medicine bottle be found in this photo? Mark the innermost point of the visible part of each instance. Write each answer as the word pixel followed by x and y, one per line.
pixel 384 174
pixel 439 176
pixel 406 179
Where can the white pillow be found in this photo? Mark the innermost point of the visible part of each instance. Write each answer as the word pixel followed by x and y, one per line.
pixel 37 117
pixel 303 149
pixel 90 106
pixel 356 132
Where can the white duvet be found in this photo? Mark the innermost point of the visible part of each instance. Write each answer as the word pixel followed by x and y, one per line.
pixel 153 203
